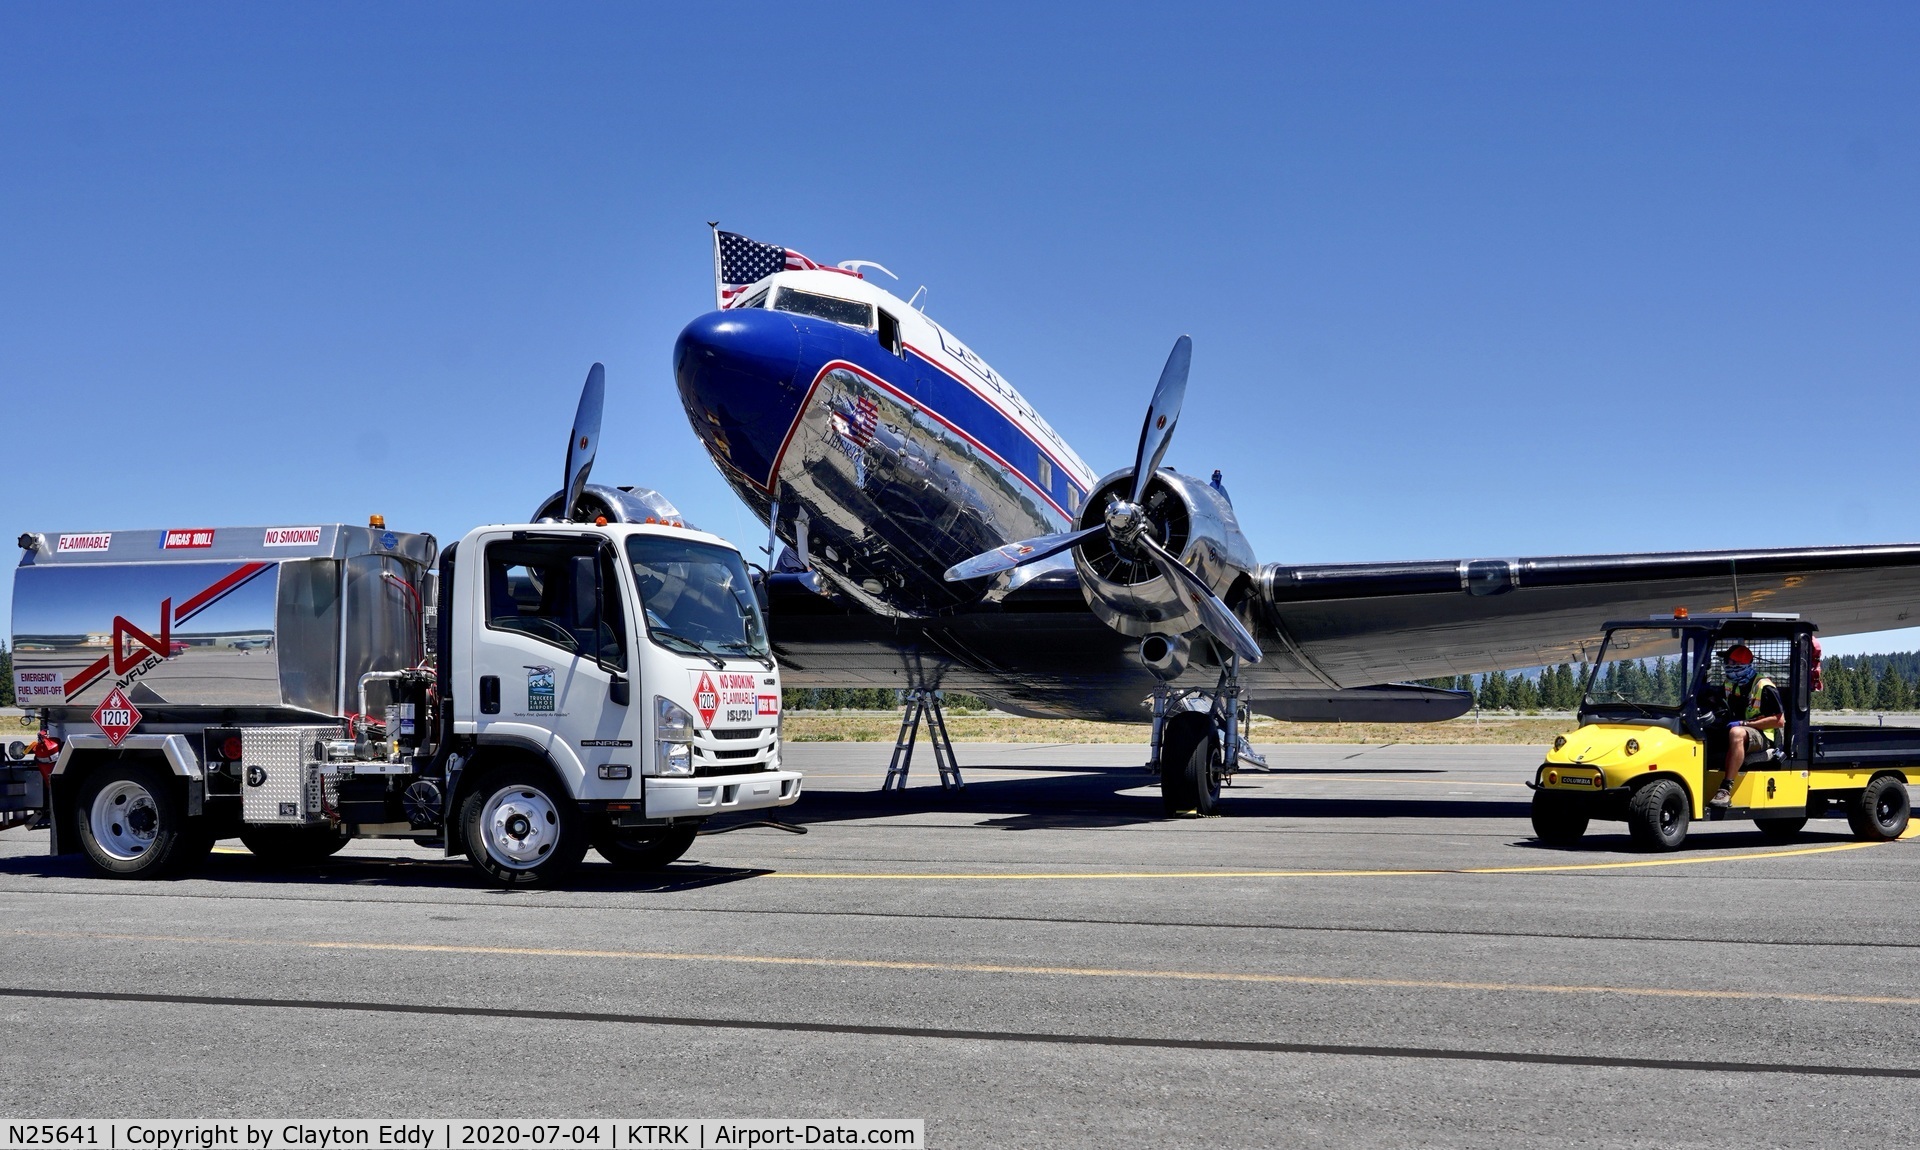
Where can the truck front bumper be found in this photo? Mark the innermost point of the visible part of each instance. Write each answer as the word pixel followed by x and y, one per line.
pixel 703 797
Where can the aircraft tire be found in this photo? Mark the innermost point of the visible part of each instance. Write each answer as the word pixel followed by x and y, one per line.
pixel 1780 830
pixel 1658 815
pixel 1557 822
pixel 1188 783
pixel 643 849
pixel 1879 813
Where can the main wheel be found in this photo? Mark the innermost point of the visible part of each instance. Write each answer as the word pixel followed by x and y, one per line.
pixel 1658 815
pixel 132 822
pixel 1557 822
pixel 521 829
pixel 293 846
pixel 643 848
pixel 1879 813
pixel 1780 830
pixel 1189 784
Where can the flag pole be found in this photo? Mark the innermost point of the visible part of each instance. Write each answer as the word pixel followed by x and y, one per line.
pixel 714 226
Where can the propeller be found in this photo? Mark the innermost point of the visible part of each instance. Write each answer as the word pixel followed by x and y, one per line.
pixel 1126 522
pixel 584 440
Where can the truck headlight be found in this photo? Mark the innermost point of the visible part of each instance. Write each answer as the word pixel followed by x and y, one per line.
pixel 672 738
pixel 1633 746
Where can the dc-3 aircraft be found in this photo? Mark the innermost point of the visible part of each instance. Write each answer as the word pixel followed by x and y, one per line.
pixel 939 534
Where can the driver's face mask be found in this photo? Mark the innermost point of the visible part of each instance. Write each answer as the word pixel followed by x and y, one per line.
pixel 1740 674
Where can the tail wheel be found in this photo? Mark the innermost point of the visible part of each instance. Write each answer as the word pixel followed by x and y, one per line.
pixel 132 822
pixel 1657 817
pixel 1557 822
pixel 643 848
pixel 1189 778
pixel 521 828
pixel 293 846
pixel 1879 813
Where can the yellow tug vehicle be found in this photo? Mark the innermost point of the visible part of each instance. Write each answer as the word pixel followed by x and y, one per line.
pixel 1651 750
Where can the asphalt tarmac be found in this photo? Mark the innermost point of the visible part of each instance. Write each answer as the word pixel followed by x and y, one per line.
pixel 1366 950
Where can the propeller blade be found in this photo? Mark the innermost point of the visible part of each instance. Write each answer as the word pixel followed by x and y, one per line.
pixel 1213 613
pixel 1162 414
pixel 1014 554
pixel 584 440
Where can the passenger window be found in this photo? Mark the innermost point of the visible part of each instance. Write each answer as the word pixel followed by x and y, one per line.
pixel 1046 473
pixel 889 332
pixel 559 593
pixel 1073 500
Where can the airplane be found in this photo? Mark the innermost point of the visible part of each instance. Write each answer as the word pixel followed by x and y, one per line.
pixel 939 534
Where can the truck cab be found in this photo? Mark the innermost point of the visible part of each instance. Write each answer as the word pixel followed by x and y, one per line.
pixel 1651 744
pixel 630 659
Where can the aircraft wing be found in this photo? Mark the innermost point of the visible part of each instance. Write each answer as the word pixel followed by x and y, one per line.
pixel 1356 624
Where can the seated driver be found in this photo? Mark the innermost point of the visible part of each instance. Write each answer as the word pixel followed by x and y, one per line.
pixel 1753 703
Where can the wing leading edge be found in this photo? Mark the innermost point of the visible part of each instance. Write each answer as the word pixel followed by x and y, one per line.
pixel 1356 624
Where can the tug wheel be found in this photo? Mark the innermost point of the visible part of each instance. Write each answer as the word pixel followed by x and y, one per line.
pixel 1780 830
pixel 1879 813
pixel 1557 822
pixel 1658 815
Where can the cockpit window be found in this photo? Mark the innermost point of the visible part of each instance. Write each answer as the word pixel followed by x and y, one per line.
pixel 757 299
pixel 845 311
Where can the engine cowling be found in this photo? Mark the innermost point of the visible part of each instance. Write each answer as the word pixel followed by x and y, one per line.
pixel 615 504
pixel 1191 519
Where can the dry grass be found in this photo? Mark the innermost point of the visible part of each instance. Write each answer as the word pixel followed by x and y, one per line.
pixel 882 726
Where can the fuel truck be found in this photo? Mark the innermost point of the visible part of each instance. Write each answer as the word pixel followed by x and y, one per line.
pixel 599 677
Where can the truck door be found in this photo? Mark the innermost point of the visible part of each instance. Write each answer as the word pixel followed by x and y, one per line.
pixel 550 653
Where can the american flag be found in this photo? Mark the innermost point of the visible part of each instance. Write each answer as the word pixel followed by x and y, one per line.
pixel 865 416
pixel 739 263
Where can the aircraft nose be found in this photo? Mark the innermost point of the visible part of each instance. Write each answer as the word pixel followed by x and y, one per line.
pixel 736 373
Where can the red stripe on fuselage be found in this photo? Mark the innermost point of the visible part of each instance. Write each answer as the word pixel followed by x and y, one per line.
pixel 970 385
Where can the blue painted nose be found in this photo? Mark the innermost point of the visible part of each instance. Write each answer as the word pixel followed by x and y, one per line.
pixel 736 372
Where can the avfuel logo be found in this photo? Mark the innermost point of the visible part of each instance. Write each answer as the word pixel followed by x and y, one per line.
pixel 135 651
pixel 116 716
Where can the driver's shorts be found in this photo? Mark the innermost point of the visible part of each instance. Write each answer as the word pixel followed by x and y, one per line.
pixel 1755 740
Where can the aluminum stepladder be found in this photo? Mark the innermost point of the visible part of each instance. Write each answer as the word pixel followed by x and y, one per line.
pixel 923 702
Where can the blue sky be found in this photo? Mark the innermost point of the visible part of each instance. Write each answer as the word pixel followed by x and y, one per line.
pixel 1462 279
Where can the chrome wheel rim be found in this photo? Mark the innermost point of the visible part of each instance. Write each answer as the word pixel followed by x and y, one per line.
pixel 519 827
pixel 124 819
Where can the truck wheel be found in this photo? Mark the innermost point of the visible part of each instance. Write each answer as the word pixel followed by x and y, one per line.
pixel 1879 813
pixel 132 823
pixel 1658 815
pixel 1556 822
pixel 1188 784
pixel 293 846
pixel 521 829
pixel 1780 830
pixel 643 848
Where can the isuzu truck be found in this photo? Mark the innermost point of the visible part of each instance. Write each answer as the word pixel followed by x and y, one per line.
pixel 598 678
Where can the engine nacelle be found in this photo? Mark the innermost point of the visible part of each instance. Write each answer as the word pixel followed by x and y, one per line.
pixel 1193 521
pixel 616 504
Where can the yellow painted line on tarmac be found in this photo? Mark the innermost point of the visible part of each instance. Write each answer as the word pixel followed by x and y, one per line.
pixel 1383 873
pixel 1257 977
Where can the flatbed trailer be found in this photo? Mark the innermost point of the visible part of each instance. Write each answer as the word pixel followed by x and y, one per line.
pixel 1655 763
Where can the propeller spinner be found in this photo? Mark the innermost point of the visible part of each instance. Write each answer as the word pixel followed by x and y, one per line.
pixel 1127 523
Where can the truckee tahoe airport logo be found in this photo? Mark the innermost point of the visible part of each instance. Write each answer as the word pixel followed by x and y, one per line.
pixel 539 688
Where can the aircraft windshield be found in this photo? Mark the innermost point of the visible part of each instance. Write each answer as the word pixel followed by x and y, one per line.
pixel 845 311
pixel 696 597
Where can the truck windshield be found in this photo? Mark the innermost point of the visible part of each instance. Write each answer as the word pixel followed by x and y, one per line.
pixel 1619 679
pixel 696 597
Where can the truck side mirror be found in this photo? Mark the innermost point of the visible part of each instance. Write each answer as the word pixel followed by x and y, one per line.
pixel 619 691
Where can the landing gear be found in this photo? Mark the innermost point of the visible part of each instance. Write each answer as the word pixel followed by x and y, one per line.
pixel 1196 751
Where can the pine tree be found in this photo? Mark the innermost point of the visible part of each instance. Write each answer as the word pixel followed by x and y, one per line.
pixel 6 676
pixel 1890 693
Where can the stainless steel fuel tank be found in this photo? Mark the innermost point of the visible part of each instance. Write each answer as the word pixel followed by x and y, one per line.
pixel 242 619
